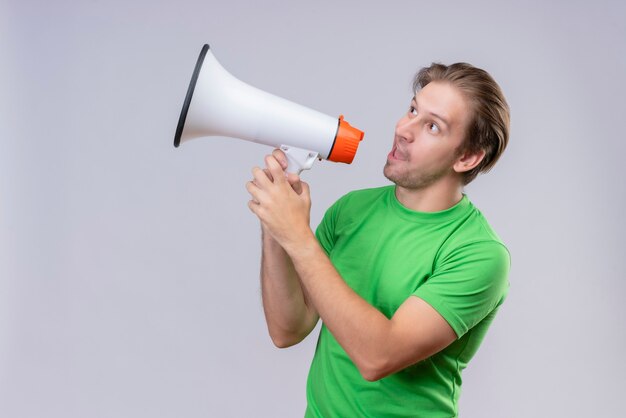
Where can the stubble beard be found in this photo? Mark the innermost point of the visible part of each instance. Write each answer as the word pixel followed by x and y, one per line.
pixel 417 179
pixel 414 180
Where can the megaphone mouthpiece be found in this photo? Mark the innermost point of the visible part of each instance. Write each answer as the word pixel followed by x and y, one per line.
pixel 346 142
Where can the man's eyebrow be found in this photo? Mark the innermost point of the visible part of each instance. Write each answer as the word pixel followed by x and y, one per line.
pixel 433 114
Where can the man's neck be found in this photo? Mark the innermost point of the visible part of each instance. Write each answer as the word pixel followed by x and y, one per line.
pixel 434 198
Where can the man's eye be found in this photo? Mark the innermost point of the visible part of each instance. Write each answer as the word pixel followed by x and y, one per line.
pixel 433 128
pixel 413 111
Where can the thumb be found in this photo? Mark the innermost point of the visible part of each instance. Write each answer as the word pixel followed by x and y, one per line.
pixel 305 190
pixel 295 182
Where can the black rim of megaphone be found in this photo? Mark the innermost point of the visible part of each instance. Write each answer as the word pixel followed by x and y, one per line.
pixel 192 86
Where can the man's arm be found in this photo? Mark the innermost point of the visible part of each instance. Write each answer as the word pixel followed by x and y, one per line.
pixel 378 346
pixel 289 315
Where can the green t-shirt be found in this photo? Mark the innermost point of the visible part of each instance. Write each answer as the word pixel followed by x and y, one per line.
pixel 385 252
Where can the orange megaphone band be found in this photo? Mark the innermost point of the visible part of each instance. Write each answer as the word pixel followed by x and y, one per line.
pixel 346 142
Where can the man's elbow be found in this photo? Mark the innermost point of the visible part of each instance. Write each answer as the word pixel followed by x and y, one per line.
pixel 373 375
pixel 286 340
pixel 374 370
pixel 381 366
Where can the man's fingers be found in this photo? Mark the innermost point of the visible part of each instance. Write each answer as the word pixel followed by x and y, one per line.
pixel 254 191
pixel 280 157
pixel 254 207
pixel 275 169
pixel 261 178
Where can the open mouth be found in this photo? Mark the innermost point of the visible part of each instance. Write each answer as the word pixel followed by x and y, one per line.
pixel 397 154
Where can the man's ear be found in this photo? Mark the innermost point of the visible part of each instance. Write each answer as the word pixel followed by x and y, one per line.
pixel 468 160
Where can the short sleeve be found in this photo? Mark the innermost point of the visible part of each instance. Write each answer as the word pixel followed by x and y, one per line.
pixel 468 284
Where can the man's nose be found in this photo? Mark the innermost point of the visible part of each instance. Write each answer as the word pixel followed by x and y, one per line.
pixel 405 129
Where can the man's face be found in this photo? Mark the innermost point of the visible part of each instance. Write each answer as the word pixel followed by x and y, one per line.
pixel 428 136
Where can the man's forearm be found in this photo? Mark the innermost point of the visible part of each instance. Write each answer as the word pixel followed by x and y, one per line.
pixel 289 318
pixel 360 329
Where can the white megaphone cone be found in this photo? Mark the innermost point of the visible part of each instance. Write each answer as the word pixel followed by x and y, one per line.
pixel 218 104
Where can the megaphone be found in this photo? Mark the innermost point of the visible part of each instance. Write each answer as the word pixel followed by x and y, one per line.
pixel 218 104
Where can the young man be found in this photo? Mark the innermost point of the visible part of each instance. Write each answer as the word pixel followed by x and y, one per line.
pixel 406 278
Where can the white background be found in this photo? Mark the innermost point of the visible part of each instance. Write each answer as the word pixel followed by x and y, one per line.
pixel 129 269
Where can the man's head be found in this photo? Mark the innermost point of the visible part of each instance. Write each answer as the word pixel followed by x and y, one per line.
pixel 457 125
pixel 488 128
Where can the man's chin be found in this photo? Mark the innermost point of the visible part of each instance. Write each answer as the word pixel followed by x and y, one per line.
pixel 388 172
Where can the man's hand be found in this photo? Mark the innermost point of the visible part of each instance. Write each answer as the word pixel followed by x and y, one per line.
pixel 281 202
pixel 292 178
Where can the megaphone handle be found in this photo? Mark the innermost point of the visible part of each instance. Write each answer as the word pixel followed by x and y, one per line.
pixel 298 159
